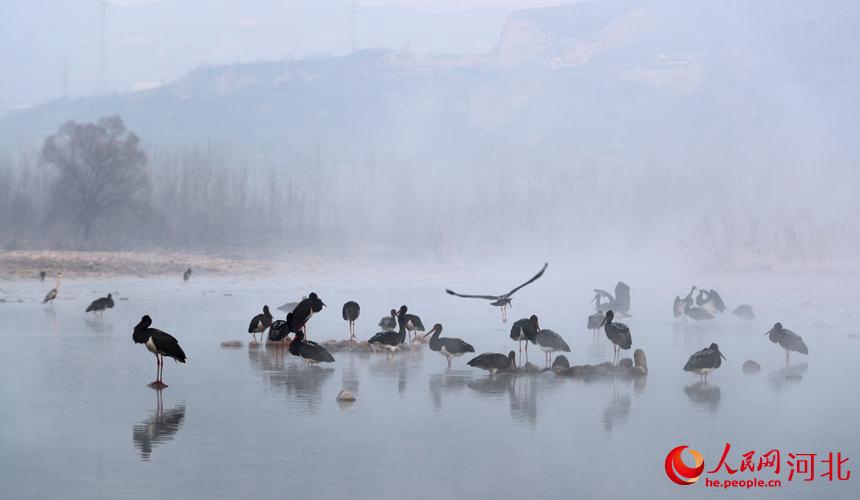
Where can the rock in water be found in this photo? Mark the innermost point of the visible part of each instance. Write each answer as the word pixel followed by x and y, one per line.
pixel 345 395
pixel 640 361
pixel 626 363
pixel 231 344
pixel 560 363
pixel 750 367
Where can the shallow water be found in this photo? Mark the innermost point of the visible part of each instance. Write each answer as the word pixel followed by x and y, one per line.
pixel 78 420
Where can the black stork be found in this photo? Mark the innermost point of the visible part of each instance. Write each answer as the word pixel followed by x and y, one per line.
pixel 186 275
pixel 350 313
pixel 310 351
pixel 52 294
pixel 389 339
pixel 42 275
pixel 679 304
pixel 549 342
pixel 525 329
pixel 744 311
pixel 98 306
pixel 494 362
pixel 388 323
pixel 697 313
pixel 504 300
pixel 411 322
pixel 260 323
pixel 304 311
pixel 280 330
pixel 705 361
pixel 787 339
pixel 595 320
pixel 449 347
pixel 617 333
pixel 159 343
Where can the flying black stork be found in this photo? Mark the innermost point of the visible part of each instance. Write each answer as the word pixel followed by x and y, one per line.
pixel 504 300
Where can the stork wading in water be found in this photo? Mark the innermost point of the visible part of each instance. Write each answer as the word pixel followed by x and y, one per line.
pixel 502 301
pixel 447 346
pixel 705 361
pixel 98 306
pixel 52 294
pixel 494 362
pixel 186 275
pixel 787 339
pixel 350 313
pixel 525 330
pixel 159 343
pixel 260 323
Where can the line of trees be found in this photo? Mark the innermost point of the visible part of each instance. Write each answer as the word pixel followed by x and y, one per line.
pixel 96 186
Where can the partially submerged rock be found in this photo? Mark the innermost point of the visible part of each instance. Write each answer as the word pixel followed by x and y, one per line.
pixel 640 360
pixel 231 344
pixel 750 367
pixel 560 363
pixel 628 368
pixel 345 395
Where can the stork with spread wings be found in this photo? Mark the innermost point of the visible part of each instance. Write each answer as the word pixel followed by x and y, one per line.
pixel 503 301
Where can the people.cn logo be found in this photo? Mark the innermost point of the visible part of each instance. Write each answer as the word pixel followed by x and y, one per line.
pixel 681 473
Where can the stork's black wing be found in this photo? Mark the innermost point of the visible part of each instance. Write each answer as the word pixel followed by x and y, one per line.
pixel 534 278
pixel 485 297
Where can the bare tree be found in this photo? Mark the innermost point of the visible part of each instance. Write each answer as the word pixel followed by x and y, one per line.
pixel 101 167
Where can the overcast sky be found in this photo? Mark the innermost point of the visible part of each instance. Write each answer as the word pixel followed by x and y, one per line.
pixel 152 41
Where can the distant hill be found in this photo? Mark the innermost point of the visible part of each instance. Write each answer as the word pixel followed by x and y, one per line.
pixel 717 75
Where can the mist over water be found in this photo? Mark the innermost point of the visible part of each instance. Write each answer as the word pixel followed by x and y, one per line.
pixel 382 152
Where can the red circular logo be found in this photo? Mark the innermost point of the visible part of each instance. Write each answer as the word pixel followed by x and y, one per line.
pixel 678 471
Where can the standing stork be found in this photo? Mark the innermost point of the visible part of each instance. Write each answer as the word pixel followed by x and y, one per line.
pixel 98 306
pixel 311 352
pixel 52 294
pixel 260 323
pixel 595 320
pixel 186 275
pixel 705 361
pixel 388 323
pixel 303 312
pixel 525 329
pixel 787 339
pixel 351 310
pixel 411 322
pixel 159 343
pixel 504 300
pixel 449 347
pixel 493 361
pixel 617 333
pixel 549 342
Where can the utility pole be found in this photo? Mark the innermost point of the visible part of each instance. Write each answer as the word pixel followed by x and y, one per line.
pixel 65 79
pixel 102 83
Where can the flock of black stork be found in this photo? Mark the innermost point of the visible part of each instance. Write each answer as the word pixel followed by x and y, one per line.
pixel 401 326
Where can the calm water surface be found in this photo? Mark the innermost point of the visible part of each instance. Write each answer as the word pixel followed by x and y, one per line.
pixel 78 421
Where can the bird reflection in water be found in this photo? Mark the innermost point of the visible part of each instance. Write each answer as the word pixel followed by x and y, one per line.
pixel 158 428
pixel 617 410
pixel 98 326
pixel 444 384
pixel 705 395
pixel 787 376
pixel 523 395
